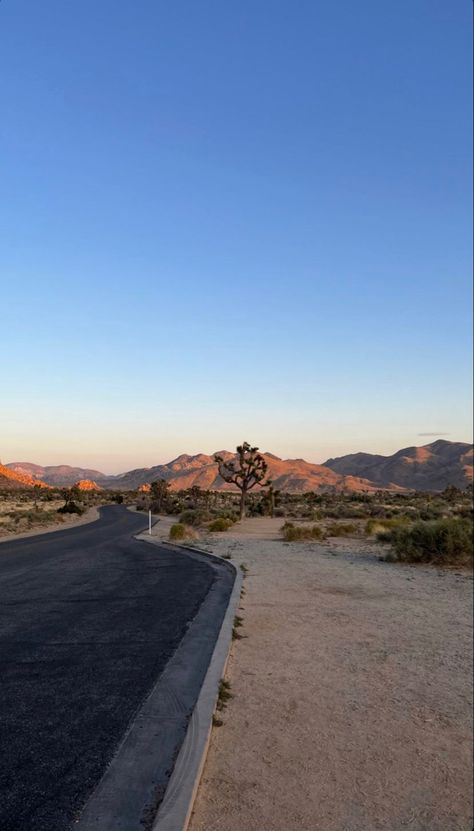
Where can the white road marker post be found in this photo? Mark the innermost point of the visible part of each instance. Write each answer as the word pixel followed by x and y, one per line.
pixel 149 523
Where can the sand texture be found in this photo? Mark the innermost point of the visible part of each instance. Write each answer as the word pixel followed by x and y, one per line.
pixel 352 694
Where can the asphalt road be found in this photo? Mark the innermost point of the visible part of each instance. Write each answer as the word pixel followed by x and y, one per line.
pixel 88 619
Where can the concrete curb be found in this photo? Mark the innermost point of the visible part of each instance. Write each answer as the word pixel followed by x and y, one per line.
pixel 144 786
pixel 177 805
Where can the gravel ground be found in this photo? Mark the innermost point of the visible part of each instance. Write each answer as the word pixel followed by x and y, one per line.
pixel 352 686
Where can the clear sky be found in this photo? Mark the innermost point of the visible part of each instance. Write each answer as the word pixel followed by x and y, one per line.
pixel 224 221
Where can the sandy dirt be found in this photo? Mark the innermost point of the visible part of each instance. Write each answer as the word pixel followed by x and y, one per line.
pixel 352 693
pixel 61 523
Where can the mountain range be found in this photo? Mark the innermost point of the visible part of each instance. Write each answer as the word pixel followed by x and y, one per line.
pixel 431 467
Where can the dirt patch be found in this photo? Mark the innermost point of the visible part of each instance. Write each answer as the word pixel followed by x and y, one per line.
pixel 352 707
pixel 29 528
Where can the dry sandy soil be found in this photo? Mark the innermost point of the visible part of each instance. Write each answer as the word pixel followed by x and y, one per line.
pixel 24 528
pixel 352 693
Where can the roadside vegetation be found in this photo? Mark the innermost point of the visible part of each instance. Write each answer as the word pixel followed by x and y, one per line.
pixel 440 542
pixel 419 527
pixel 38 508
pixel 179 531
pixel 296 533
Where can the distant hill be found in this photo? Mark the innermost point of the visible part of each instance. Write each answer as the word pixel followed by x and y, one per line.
pixel 431 467
pixel 292 475
pixel 57 475
pixel 12 480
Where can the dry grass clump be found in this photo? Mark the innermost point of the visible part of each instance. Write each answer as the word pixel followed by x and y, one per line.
pixel 179 531
pixel 299 533
pixel 440 542
pixel 221 524
pixel 341 529
pixel 377 526
pixel 195 517
pixel 26 519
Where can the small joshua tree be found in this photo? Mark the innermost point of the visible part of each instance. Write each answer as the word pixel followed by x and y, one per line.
pixel 158 491
pixel 271 498
pixel 248 470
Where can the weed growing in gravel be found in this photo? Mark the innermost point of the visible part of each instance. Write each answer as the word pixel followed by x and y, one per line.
pixel 238 622
pixel 221 524
pixel 341 529
pixel 224 695
pixel 178 531
pixel 297 533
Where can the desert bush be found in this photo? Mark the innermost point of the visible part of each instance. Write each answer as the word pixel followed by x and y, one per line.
pixel 223 514
pixel 431 512
pixel 174 507
pixel 71 508
pixel 379 526
pixel 341 529
pixel 296 533
pixel 441 542
pixel 178 531
pixel 195 517
pixel 221 524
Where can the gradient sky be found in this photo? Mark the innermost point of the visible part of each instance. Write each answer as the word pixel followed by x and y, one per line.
pixel 224 221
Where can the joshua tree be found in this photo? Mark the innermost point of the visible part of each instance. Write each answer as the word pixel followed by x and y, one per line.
pixel 71 494
pixel 195 493
pixel 247 471
pixel 271 498
pixel 158 491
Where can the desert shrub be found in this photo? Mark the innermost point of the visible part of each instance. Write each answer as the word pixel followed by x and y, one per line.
pixel 297 533
pixel 379 526
pixel 311 515
pixel 383 535
pixel 71 508
pixel 279 512
pixel 341 529
pixel 174 507
pixel 431 512
pixel 221 524
pixel 195 517
pixel 178 531
pixel 223 514
pixel 465 512
pixel 441 542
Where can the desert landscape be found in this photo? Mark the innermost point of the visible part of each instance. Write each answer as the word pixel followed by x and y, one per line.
pixel 347 698
pixel 236 446
pixel 350 689
pixel 429 467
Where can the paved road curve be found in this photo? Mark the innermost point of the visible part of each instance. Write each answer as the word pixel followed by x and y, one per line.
pixel 88 619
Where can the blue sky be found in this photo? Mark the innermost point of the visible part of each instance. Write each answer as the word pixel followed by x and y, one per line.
pixel 227 221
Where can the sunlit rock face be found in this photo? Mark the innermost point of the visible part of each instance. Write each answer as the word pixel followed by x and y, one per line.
pixel 87 485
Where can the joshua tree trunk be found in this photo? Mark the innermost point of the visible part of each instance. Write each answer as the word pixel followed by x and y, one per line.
pixel 243 494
